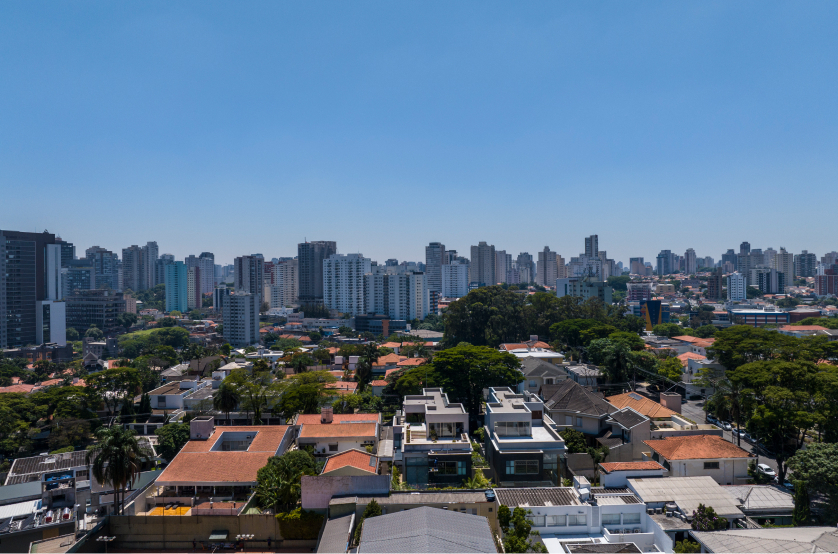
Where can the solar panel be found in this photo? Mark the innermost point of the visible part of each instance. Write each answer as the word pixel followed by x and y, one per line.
pixel 635 396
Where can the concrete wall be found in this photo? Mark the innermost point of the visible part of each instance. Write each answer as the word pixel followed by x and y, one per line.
pixel 317 490
pixel 730 472
pixel 618 479
pixel 177 532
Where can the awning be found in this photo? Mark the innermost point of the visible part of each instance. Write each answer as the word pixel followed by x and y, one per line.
pixel 219 535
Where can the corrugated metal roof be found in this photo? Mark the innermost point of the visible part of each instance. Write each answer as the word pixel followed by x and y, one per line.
pixel 540 496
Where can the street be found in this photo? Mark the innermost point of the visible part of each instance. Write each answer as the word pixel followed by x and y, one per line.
pixel 694 411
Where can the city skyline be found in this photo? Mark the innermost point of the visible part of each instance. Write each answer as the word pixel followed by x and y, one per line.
pixel 269 124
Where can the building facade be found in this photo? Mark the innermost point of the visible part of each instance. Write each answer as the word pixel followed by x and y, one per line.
pixel 310 256
pixel 241 318
pixel 177 291
pixel 99 307
pixel 482 266
pixel 737 287
pixel 343 282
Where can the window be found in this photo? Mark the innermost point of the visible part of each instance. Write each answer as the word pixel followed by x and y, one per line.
pixel 557 521
pixel 551 460
pixel 333 448
pixel 521 467
pixel 82 474
pixel 450 468
pixel 512 428
pixel 631 519
pixel 536 414
pixel 568 420
pixel 533 384
pixel 580 519
pixel 610 519
pixel 537 521
pixel 548 381
pixel 474 511
pixel 579 422
pixel 444 429
pixel 711 465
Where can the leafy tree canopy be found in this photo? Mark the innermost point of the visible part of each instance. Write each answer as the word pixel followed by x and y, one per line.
pixel 171 438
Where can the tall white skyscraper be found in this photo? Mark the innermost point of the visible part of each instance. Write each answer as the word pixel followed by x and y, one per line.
pixel 737 287
pixel 482 267
pixel 455 280
pixel 285 290
pixel 547 271
pixel 241 318
pixel 343 282
pixel 690 266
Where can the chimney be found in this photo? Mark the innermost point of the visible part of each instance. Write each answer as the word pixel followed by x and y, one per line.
pixel 326 414
pixel 671 401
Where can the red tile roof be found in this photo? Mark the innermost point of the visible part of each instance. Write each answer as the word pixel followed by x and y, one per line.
pixel 686 338
pixel 314 419
pixel 802 328
pixel 696 447
pixel 412 362
pixel 340 430
pixel 389 359
pixel 353 458
pixel 686 356
pixel 25 389
pixel 644 406
pixel 608 467
pixel 392 345
pixel 379 383
pixel 343 387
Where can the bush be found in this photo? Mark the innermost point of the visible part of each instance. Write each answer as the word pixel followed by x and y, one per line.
pixel 63 450
pixel 300 524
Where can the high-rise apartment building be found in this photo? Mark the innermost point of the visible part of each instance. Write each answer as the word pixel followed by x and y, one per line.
pixel 767 280
pixel 830 258
pixel 68 251
pixel 715 286
pixel 805 264
pixel 408 296
pixel 310 256
pixel 434 260
pixel 637 266
pixel 160 268
pixel 690 265
pixel 524 264
pixel 249 275
pixel 547 269
pixel 241 318
pixel 177 291
pixel 664 263
pixel 105 267
pixel 784 263
pixel 455 280
pixel 592 246
pixel 729 257
pixel 826 282
pixel 737 287
pixel 133 268
pixel 31 288
pixel 219 298
pixel 99 307
pixel 206 263
pixel 482 267
pixel 285 288
pixel 343 283
pixel 768 257
pixel 194 299
pixel 745 248
pixel 503 263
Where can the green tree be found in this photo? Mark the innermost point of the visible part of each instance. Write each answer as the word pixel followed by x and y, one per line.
pixel 278 483
pixel 71 334
pixel 94 333
pixel 226 398
pixel 687 546
pixel 816 470
pixel 670 368
pixel 114 386
pixel 504 516
pixel 517 539
pixel 574 441
pixel 668 330
pixel 705 331
pixel 487 316
pixel 17 414
pixel 116 459
pixel 167 322
pixel 363 369
pixel 171 438
pixel 466 370
pixel 126 320
pixel 706 519
pixel 304 393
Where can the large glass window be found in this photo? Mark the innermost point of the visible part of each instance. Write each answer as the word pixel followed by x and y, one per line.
pixel 610 519
pixel 537 521
pixel 450 468
pixel 444 429
pixel 631 519
pixel 521 467
pixel 711 465
pixel 579 519
pixel 557 521
pixel 512 428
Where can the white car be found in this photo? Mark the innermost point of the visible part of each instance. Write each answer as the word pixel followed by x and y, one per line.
pixel 766 470
pixel 712 419
pixel 725 425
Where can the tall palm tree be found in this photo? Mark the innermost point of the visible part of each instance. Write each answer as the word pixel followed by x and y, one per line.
pixel 116 459
pixel 226 399
pixel 363 370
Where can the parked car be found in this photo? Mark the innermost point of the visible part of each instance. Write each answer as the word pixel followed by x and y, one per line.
pixel 748 437
pixel 786 483
pixel 766 470
pixel 738 432
pixel 725 425
pixel 711 419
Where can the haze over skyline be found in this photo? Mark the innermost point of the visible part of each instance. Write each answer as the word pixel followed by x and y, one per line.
pixel 248 128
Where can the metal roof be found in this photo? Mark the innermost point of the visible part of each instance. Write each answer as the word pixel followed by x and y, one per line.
pixel 687 493
pixel 335 537
pixel 796 539
pixel 540 496
pixel 427 529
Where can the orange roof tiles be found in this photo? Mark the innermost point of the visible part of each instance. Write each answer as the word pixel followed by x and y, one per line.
pixel 513 346
pixel 686 356
pixel 608 467
pixel 392 345
pixel 802 328
pixel 25 389
pixel 353 458
pixel 340 430
pixel 412 362
pixel 314 419
pixel 379 383
pixel 391 371
pixel 343 387
pixel 696 447
pixel 686 338
pixel 196 464
pixel 389 359
pixel 644 406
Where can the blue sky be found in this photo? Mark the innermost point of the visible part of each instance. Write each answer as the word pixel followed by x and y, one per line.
pixel 248 127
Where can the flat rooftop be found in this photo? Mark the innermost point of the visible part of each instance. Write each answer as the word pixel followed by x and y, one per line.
pixel 538 496
pixel 435 401
pixel 169 388
pixel 687 493
pixel 24 470
pixel 406 498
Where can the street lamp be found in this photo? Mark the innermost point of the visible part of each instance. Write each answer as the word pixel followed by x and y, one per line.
pixel 105 540
pixel 244 537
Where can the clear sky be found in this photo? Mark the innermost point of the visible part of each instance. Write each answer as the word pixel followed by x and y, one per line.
pixel 243 127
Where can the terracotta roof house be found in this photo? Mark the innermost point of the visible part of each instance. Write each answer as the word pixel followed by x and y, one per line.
pixel 641 404
pixel 687 356
pixel 343 387
pixel 697 455
pixel 340 436
pixel 222 461
pixel 616 474
pixel 332 419
pixel 411 362
pixel 351 462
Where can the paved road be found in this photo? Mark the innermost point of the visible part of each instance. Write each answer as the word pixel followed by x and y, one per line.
pixel 693 409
